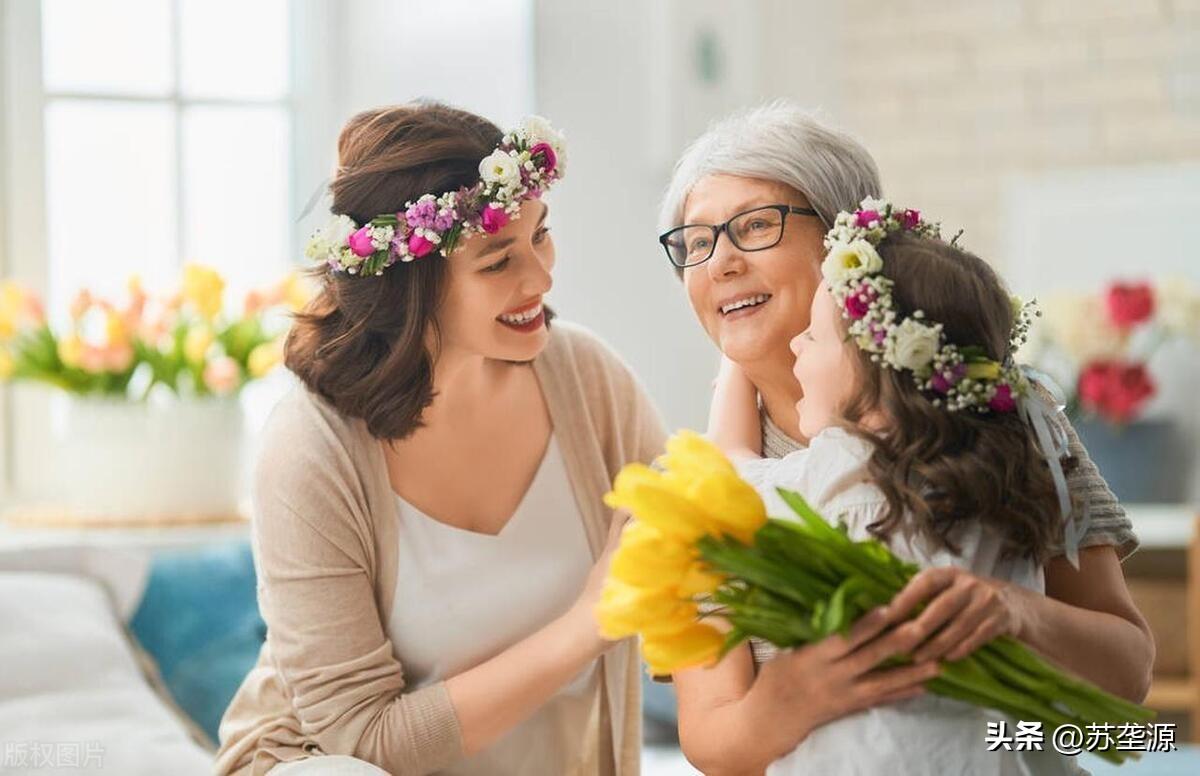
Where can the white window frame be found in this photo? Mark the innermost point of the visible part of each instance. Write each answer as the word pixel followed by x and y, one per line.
pixel 311 103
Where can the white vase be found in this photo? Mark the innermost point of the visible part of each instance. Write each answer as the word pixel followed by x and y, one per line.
pixel 171 458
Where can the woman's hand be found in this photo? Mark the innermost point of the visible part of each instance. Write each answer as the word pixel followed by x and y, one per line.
pixel 963 612
pixel 732 720
pixel 583 611
pixel 839 675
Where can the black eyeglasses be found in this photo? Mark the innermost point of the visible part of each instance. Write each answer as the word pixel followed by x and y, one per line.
pixel 751 230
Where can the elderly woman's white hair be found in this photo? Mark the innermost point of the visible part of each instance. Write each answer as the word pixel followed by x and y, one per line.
pixel 778 142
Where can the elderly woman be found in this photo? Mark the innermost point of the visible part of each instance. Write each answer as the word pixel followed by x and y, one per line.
pixel 767 184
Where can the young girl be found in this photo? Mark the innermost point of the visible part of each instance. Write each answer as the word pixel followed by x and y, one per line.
pixel 911 405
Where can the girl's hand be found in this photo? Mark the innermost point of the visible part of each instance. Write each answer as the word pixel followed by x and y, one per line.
pixel 963 613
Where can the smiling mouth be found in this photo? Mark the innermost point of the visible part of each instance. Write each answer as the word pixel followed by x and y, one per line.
pixel 529 319
pixel 747 302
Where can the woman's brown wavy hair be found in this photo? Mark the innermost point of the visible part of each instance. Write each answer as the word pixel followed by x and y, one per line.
pixel 367 345
pixel 945 468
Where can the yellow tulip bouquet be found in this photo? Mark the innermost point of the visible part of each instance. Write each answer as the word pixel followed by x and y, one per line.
pixel 700 545
pixel 187 342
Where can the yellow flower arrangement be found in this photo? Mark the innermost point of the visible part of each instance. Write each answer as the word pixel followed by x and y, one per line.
pixel 187 342
pixel 657 571
pixel 700 549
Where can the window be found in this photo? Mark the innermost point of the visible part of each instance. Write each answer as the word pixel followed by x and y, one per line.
pixel 166 135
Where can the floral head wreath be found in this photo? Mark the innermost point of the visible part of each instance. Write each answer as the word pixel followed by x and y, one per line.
pixel 525 164
pixel 952 376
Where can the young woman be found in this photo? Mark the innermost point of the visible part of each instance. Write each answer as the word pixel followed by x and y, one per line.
pixel 428 530
pixel 752 293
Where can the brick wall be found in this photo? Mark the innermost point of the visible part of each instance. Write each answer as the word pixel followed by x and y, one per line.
pixel 951 98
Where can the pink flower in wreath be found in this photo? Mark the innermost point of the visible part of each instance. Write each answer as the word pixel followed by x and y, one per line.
pixel 549 158
pixel 1003 400
pixel 911 218
pixel 418 246
pixel 857 306
pixel 360 242
pixel 943 381
pixel 864 218
pixel 494 217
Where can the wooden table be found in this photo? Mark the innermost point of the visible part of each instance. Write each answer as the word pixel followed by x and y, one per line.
pixel 1170 546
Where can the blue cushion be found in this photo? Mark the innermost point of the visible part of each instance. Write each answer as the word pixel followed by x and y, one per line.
pixel 199 620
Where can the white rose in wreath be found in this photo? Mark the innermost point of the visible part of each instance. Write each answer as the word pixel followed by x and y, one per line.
pixel 327 241
pixel 499 167
pixel 850 260
pixel 915 345
pixel 538 130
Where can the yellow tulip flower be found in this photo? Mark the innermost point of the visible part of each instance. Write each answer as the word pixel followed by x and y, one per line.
pixel 196 344
pixel 699 580
pixel 19 308
pixel 296 291
pixel 734 507
pixel 649 496
pixel 699 492
pixel 691 456
pixel 657 572
pixel 264 357
pixel 114 327
pixel 648 558
pixel 626 609
pixel 12 300
pixel 70 351
pixel 696 645
pixel 203 287
pixel 701 470
pixel 984 370
pixel 7 365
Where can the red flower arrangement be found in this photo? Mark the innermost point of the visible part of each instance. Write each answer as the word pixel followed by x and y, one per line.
pixel 1115 390
pixel 1108 339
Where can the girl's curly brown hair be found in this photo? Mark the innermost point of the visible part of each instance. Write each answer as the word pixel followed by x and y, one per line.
pixel 942 467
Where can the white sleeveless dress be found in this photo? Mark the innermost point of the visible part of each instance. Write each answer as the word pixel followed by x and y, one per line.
pixel 462 597
pixel 925 735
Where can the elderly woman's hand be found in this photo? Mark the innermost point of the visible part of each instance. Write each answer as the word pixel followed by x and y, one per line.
pixel 839 675
pixel 734 720
pixel 963 612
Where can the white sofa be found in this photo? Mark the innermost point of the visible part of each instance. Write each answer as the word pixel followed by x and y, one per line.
pixel 75 695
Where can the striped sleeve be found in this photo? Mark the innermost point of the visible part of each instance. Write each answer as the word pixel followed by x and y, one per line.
pixel 1109 523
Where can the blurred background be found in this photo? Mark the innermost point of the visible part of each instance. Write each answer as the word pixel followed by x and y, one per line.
pixel 143 137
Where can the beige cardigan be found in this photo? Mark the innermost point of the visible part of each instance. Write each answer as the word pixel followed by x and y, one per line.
pixel 325 537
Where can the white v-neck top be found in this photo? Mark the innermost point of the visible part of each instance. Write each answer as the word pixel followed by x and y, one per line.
pixel 463 597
